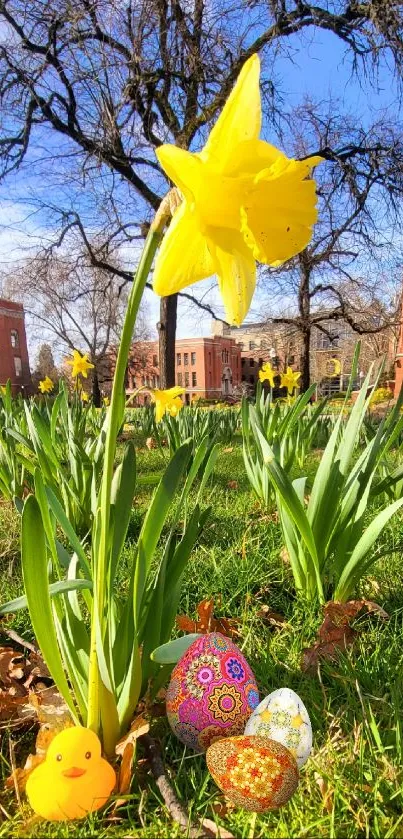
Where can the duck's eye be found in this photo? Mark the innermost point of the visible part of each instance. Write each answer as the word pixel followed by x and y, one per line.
pixel 87 755
pixel 58 757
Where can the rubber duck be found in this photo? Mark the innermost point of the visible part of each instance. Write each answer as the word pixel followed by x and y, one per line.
pixel 74 779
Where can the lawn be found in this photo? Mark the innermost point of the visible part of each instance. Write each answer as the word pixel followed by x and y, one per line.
pixel 352 785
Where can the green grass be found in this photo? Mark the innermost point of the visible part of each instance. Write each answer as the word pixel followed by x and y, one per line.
pixel 356 704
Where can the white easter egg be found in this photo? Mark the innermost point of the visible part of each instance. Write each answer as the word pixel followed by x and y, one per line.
pixel 282 716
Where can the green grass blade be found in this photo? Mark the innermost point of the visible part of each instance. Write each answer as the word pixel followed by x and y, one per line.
pixel 34 563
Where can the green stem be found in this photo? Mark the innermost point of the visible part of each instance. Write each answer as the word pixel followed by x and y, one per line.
pixel 101 534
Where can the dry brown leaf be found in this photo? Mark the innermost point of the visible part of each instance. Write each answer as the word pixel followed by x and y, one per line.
pixel 151 443
pixel 138 727
pixel 207 622
pixel 284 556
pixel 271 617
pixel 228 450
pixel 19 777
pixel 233 485
pixel 326 793
pixel 336 633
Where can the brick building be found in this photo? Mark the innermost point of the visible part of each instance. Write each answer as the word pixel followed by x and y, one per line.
pixel 14 361
pixel 208 368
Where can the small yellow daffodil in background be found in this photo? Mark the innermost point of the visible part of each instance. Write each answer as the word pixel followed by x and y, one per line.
pixel 46 385
pixel 167 402
pixel 80 364
pixel 267 374
pixel 290 380
pixel 106 401
pixel 333 368
pixel 84 396
pixel 243 200
pixel 3 390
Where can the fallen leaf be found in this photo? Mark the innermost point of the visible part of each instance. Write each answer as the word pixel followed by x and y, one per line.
pixel 326 793
pixel 207 622
pixel 19 777
pixel 228 450
pixel 336 633
pixel 150 443
pixel 271 617
pixel 233 485
pixel 138 727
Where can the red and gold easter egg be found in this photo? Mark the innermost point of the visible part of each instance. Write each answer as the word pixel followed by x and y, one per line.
pixel 253 772
pixel 212 692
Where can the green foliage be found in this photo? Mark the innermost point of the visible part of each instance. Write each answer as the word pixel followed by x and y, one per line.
pixel 292 428
pixel 327 534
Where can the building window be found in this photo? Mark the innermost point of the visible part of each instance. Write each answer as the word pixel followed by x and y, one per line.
pixel 243 362
pixel 186 379
pixel 252 345
pixel 331 340
pixel 155 361
pixel 251 379
pixel 251 362
pixel 193 358
pixel 244 378
pixel 241 345
pixel 186 358
pixel 15 341
pixel 180 379
pixel 178 359
pixel 194 380
pixel 260 362
pixel 18 366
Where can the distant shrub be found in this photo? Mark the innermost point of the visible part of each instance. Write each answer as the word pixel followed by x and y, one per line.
pixel 381 394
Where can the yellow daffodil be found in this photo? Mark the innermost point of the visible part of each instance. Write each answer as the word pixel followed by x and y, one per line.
pixel 3 390
pixel 106 401
pixel 333 368
pixel 84 396
pixel 46 385
pixel 243 200
pixel 167 402
pixel 266 373
pixel 80 364
pixel 290 379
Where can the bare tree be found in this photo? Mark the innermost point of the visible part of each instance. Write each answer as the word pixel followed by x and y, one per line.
pixel 336 278
pixel 73 305
pixel 89 88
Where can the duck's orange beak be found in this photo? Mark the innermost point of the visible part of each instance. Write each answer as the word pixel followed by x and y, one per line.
pixel 74 772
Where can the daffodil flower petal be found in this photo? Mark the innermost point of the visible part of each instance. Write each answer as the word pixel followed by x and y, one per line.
pixel 240 118
pixel 278 216
pixel 183 257
pixel 182 167
pixel 235 267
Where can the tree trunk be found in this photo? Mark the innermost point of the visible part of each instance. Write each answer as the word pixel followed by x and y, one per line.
pixel 305 358
pixel 304 306
pixel 96 393
pixel 167 333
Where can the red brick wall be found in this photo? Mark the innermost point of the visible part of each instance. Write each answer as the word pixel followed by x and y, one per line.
pixel 14 361
pixel 211 362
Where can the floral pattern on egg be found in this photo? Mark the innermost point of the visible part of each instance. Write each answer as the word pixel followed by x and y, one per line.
pixel 282 716
pixel 255 773
pixel 212 692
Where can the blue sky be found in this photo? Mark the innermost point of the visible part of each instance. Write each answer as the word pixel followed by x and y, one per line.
pixel 313 65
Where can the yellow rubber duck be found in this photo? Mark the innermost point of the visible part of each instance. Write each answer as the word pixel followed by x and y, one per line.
pixel 74 779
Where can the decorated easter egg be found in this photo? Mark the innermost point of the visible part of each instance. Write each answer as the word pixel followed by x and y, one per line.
pixel 255 773
pixel 282 716
pixel 212 692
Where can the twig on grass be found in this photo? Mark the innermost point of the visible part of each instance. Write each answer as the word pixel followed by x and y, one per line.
pixel 205 828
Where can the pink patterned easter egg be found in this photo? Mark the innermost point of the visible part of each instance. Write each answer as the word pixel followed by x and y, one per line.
pixel 212 692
